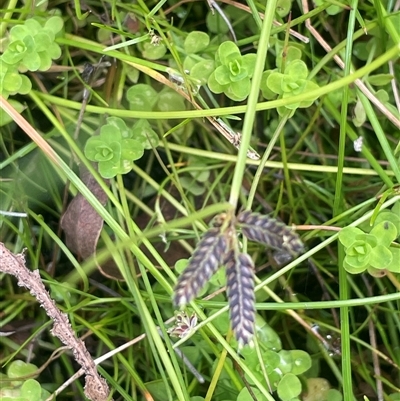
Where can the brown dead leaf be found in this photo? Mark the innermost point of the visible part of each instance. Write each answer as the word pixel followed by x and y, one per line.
pixel 81 223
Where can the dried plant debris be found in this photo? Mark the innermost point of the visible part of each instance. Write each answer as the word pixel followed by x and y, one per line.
pixel 207 258
pixel 96 388
pixel 241 297
pixel 269 231
pixel 219 246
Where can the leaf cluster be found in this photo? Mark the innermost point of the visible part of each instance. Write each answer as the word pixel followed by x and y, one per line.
pixel 13 389
pixel 30 47
pixel 373 251
pixel 118 146
pixel 233 72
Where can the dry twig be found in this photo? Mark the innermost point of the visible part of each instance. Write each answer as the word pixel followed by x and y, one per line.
pixel 96 388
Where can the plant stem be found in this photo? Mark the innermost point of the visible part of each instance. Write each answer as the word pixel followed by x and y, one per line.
pixel 252 103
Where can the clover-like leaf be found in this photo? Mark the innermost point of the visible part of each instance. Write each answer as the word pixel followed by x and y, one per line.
pixel 227 53
pixel 114 149
pixel 385 232
pixel 195 42
pixel 169 100
pixel 275 82
pixel 289 387
pixel 222 75
pixel 249 63
pixel 54 24
pixel 239 90
pixel 141 97
pixel 153 52
pixel 131 149
pixel 142 131
pixel 297 69
pixel 214 85
pixel 380 257
pixel 202 70
pixel 347 235
pixel 120 126
pixel 394 266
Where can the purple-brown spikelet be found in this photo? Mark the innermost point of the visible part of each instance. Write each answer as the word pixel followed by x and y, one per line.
pixel 208 256
pixel 241 298
pixel 269 231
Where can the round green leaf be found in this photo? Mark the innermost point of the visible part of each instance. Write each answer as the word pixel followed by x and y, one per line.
pixel 301 361
pixel 213 84
pixel 33 26
pixel 394 266
pixel 32 62
pixel 131 149
pixel 118 124
pixel 238 91
pixel 359 115
pixel 289 387
pixel 15 52
pixel 26 85
pixel 42 41
pixel 169 100
pixel 192 186
pixel 141 97
pixel 153 52
pixel 385 232
pixel 222 75
pixel 142 132
pixel 334 395
pixel 12 82
pixel 181 265
pixel 202 71
pixel 286 361
pixel 196 41
pixel 389 215
pixel 54 24
pixel 31 390
pixel 353 269
pixel 380 257
pixel 18 32
pixel 297 69
pixel 283 7
pixel 275 82
pixel 227 52
pixel 265 90
pixel 249 63
pixel 20 368
pixel 348 235
pixel 216 24
pixel 271 360
pixel 267 335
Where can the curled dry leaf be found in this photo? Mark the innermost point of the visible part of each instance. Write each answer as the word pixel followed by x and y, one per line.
pixel 81 223
pixel 208 256
pixel 269 231
pixel 241 298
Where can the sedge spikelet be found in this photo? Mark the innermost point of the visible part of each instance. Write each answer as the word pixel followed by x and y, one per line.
pixel 269 231
pixel 241 298
pixel 208 256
